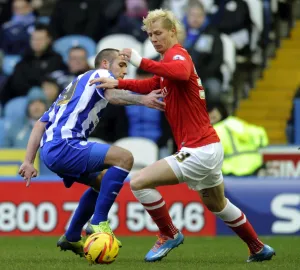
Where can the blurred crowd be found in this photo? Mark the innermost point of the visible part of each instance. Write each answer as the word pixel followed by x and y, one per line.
pixel 219 35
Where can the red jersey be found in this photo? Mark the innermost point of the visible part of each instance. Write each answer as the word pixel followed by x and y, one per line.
pixel 184 96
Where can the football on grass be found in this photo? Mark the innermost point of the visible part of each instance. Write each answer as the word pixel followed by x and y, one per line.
pixel 101 248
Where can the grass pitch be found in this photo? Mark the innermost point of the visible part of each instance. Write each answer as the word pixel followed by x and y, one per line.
pixel 196 253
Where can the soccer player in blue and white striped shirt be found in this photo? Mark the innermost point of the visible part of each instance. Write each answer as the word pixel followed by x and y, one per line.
pixel 62 134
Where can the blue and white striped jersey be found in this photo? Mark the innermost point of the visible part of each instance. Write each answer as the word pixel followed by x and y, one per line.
pixel 77 110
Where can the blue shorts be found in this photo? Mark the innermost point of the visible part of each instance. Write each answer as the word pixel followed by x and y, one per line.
pixel 75 160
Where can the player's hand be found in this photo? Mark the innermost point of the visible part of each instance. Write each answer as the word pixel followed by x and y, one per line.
pixel 107 83
pixel 132 56
pixel 27 171
pixel 152 100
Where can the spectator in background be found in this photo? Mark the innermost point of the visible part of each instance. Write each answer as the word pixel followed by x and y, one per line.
pixel 205 47
pixel 232 17
pixel 51 88
pixel 290 128
pixel 43 7
pixel 78 61
pixel 178 7
pixel 38 61
pixel 241 142
pixel 17 133
pixel 77 64
pixel 131 21
pixel 5 11
pixel 15 34
pixel 82 17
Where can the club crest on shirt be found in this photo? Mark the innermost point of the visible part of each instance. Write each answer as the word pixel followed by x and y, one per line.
pixel 201 94
pixel 178 57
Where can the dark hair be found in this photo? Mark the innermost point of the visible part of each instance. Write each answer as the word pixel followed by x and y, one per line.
pixel 78 48
pixel 108 54
pixel 220 107
pixel 43 27
pixel 50 79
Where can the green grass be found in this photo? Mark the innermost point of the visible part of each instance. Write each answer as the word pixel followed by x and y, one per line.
pixel 197 253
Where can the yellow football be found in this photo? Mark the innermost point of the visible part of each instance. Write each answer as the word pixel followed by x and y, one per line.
pixel 101 248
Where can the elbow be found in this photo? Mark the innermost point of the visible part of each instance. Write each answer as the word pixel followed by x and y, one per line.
pixel 109 97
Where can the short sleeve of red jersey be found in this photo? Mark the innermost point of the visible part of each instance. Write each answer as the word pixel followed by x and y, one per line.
pixel 176 64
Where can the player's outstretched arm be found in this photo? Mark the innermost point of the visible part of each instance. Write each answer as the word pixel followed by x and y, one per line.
pixel 123 97
pixel 27 170
pixel 144 86
pixel 178 68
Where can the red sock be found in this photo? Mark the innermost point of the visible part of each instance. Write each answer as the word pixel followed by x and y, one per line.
pixel 160 215
pixel 243 228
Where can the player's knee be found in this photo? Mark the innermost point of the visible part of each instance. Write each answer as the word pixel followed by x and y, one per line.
pixel 125 160
pixel 137 183
pixel 215 205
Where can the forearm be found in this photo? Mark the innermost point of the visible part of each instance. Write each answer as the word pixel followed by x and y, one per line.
pixel 34 141
pixel 175 70
pixel 123 97
pixel 144 86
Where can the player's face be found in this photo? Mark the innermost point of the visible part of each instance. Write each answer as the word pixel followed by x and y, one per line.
pixel 119 68
pixel 40 41
pixel 215 116
pixel 51 91
pixel 36 109
pixel 195 17
pixel 161 38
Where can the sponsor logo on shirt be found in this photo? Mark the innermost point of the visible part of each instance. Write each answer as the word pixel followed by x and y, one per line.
pixel 178 57
pixel 83 143
pixel 201 94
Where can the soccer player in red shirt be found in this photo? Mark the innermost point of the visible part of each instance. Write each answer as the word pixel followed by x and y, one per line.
pixel 200 154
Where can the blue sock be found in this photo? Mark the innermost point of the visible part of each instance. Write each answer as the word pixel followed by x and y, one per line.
pixel 82 214
pixel 111 184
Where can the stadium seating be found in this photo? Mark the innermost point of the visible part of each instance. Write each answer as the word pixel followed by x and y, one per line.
pixel 64 44
pixel 144 151
pixel 15 108
pixel 9 63
pixel 228 66
pixel 120 41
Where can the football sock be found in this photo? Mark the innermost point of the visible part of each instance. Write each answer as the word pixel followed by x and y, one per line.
pixel 237 221
pixel 83 213
pixel 111 184
pixel 157 209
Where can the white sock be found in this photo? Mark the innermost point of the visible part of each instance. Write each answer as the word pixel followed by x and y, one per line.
pixel 231 215
pixel 149 196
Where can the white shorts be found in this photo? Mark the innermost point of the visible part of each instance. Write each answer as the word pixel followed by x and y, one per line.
pixel 199 167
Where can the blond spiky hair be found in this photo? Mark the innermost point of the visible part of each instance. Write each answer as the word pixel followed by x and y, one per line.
pixel 169 21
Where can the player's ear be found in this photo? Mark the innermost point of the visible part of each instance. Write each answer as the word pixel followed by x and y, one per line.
pixel 173 32
pixel 105 64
